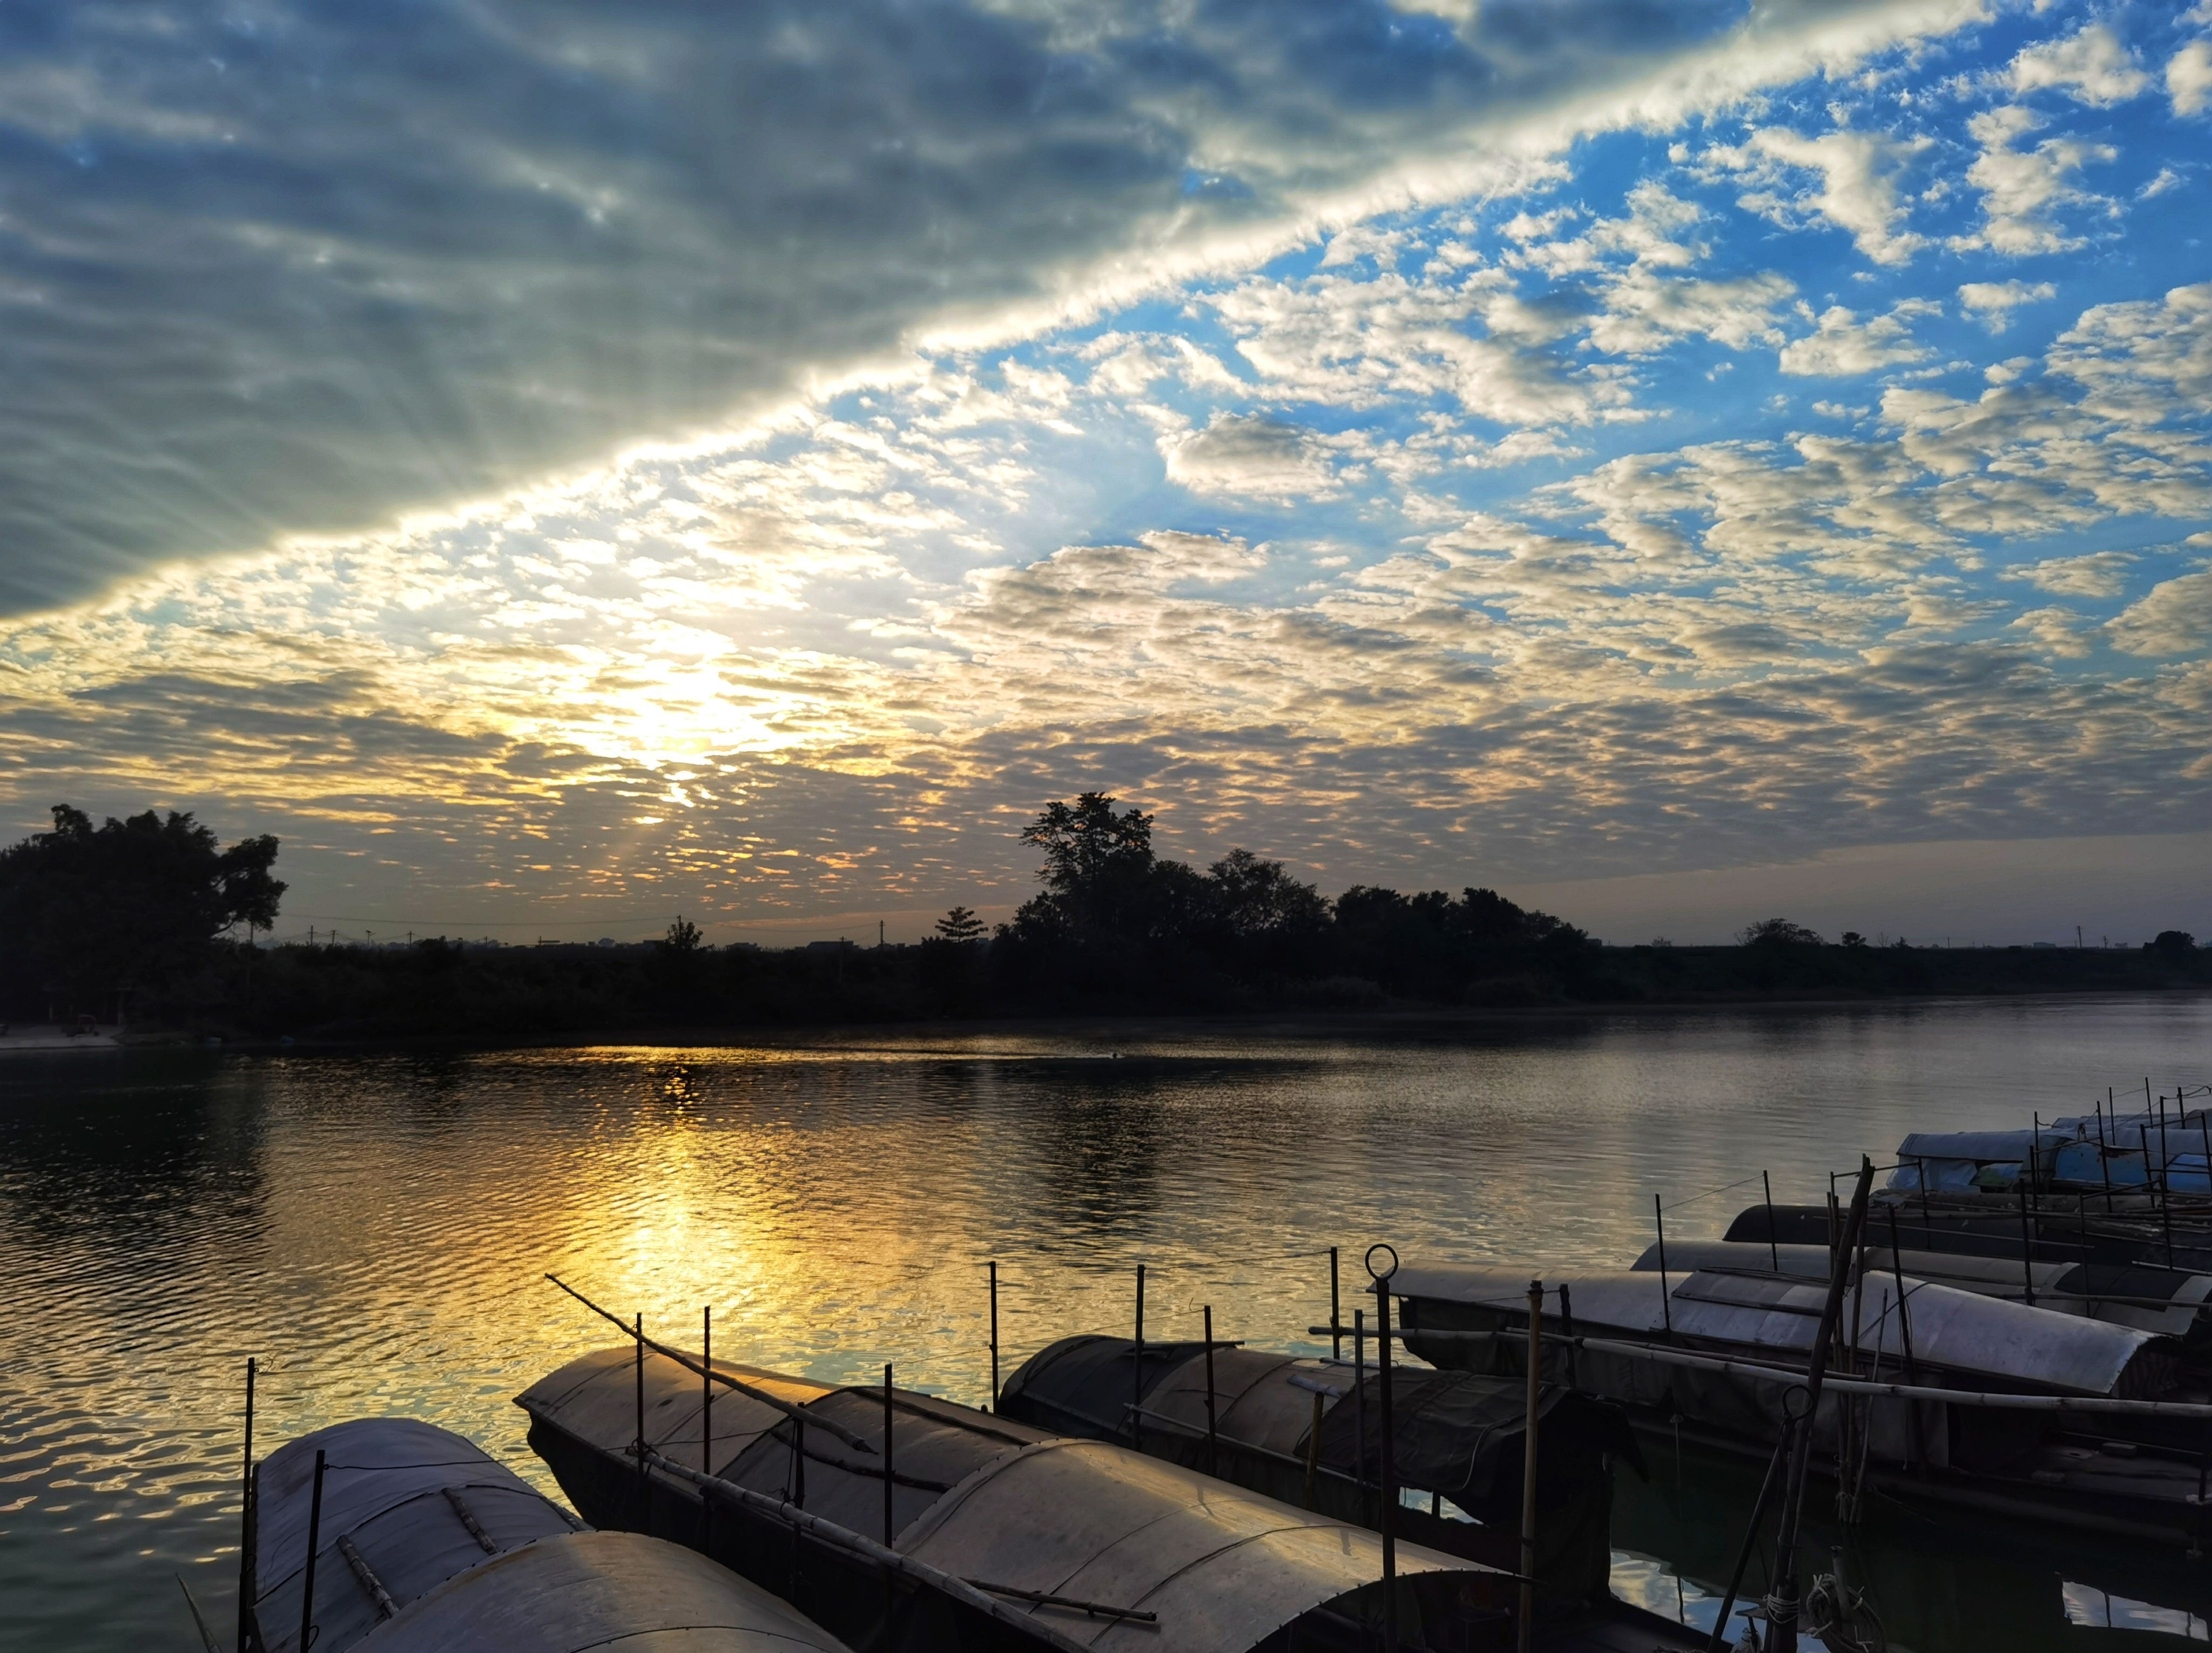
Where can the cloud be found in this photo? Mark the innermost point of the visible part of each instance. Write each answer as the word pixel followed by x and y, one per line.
pixel 2022 188
pixel 1993 301
pixel 2091 66
pixel 1840 344
pixel 1857 190
pixel 2189 77
pixel 1254 457
pixel 2095 574
pixel 302 274
pixel 2173 618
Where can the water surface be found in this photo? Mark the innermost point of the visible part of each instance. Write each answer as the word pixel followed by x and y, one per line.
pixel 376 1228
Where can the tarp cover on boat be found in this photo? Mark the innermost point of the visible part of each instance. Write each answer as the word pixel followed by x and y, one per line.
pixel 1988 1340
pixel 1457 1433
pixel 987 1498
pixel 385 1487
pixel 470 1556
pixel 600 1590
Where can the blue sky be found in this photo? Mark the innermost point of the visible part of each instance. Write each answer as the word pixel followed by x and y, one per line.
pixel 557 470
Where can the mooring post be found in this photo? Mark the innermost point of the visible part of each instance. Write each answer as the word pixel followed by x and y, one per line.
pixel 707 1396
pixel 994 1334
pixel 1666 1292
pixel 644 1475
pixel 1567 1329
pixel 1212 1437
pixel 314 1540
pixel 1336 1316
pixel 1360 1404
pixel 1137 1369
pixel 245 1533
pixel 1390 1523
pixel 888 1482
pixel 1773 1249
pixel 1527 1628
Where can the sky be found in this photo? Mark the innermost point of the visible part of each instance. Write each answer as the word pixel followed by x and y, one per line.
pixel 558 466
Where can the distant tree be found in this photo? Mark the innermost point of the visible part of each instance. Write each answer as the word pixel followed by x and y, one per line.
pixel 681 939
pixel 2174 944
pixel 1254 897
pixel 128 904
pixel 1776 933
pixel 1853 939
pixel 960 926
pixel 1101 881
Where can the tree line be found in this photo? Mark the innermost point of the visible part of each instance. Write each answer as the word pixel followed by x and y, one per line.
pixel 142 914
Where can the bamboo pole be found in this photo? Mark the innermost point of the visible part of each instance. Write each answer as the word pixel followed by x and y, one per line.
pixel 1389 1458
pixel 314 1541
pixel 1526 1630
pixel 247 1538
pixel 994 1334
pixel 1213 1433
pixel 1785 1570
pixel 1136 1368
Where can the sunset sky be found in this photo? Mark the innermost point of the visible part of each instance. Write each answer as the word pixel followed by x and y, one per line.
pixel 560 465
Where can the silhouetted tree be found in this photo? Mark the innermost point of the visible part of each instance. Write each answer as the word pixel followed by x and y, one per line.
pixel 88 911
pixel 1778 933
pixel 959 925
pixel 2175 944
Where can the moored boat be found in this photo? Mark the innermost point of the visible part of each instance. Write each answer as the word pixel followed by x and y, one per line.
pixel 902 1521
pixel 391 1536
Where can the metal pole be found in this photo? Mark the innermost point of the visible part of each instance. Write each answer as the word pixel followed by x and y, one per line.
pixel 1212 1437
pixel 644 1475
pixel 888 1482
pixel 1335 1312
pixel 1137 1369
pixel 994 1334
pixel 1773 1250
pixel 246 1537
pixel 1389 1458
pixel 2104 1162
pixel 1666 1292
pixel 1567 1326
pixel 2026 1247
pixel 1359 1405
pixel 1527 1629
pixel 706 1423
pixel 314 1539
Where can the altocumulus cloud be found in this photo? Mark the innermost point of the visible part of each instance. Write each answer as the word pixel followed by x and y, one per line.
pixel 301 266
pixel 1388 439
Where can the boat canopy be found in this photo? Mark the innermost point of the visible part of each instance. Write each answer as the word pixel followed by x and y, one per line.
pixel 1013 1507
pixel 1457 1433
pixel 587 1591
pixel 424 1541
pixel 1994 1343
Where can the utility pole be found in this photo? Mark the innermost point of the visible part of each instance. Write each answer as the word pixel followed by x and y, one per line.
pixel 2077 938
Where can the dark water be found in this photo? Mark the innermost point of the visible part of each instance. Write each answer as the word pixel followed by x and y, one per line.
pixel 375 1228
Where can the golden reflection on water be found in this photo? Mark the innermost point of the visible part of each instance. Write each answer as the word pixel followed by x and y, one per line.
pixel 377 1228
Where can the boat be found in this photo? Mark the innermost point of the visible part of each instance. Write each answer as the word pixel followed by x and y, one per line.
pixel 391 1536
pixel 1954 1397
pixel 1309 1432
pixel 2172 1302
pixel 900 1520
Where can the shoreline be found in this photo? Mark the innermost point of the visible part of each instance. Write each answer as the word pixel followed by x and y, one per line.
pixel 1411 1020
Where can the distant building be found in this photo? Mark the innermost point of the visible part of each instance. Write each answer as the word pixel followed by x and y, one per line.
pixel 840 945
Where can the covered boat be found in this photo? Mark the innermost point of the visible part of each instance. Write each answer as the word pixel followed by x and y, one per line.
pixel 423 1544
pixel 993 1532
pixel 2170 1303
pixel 1714 1353
pixel 1299 1431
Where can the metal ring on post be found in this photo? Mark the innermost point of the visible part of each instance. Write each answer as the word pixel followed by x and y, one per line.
pixel 1381 1275
pixel 1801 1393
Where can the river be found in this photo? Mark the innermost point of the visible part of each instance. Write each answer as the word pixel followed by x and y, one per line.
pixel 376 1227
